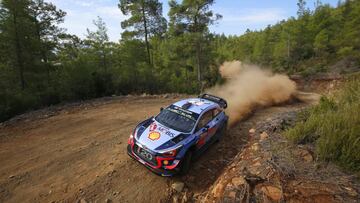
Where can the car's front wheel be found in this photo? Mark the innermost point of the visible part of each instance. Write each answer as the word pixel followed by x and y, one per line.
pixel 186 163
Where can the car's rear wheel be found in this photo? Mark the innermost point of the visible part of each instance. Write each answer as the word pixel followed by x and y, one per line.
pixel 222 132
pixel 186 163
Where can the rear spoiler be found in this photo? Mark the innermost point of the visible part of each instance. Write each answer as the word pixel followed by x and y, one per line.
pixel 222 102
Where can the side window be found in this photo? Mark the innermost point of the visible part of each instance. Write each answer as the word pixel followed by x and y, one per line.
pixel 216 112
pixel 205 119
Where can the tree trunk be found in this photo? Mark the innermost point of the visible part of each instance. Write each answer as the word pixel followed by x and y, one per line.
pixel 104 60
pixel 18 51
pixel 146 34
pixel 198 49
pixel 198 61
pixel 43 51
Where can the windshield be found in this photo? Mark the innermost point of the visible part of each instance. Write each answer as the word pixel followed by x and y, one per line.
pixel 177 119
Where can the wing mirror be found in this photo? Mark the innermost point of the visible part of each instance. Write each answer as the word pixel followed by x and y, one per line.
pixel 206 128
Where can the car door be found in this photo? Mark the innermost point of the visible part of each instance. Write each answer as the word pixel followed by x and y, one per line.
pixel 203 128
pixel 213 124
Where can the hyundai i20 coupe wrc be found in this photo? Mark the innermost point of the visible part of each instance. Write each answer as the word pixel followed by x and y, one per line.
pixel 167 143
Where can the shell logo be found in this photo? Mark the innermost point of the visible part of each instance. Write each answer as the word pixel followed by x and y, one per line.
pixel 154 136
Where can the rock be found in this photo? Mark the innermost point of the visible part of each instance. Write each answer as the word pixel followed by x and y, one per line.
pixel 11 176
pixel 178 186
pixel 305 155
pixel 308 158
pixel 232 195
pixel 184 198
pixel 274 193
pixel 218 190
pixel 175 199
pixel 255 147
pixel 263 136
pixel 82 201
pixel 351 191
pixel 107 200
pixel 252 131
pixel 237 181
pixel 256 164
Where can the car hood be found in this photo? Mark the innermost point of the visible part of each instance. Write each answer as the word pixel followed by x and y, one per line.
pixel 156 135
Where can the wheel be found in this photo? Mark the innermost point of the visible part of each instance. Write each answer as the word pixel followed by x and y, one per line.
pixel 186 163
pixel 222 132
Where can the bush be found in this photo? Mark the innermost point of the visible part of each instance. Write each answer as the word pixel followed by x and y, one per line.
pixel 14 103
pixel 333 126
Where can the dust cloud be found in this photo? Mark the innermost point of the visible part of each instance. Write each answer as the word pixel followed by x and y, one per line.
pixel 248 87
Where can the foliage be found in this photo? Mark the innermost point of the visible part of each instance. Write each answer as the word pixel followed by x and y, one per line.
pixel 333 126
pixel 325 35
pixel 145 20
pixel 41 65
pixel 189 21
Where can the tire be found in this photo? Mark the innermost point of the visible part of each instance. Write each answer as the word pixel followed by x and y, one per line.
pixel 222 132
pixel 186 163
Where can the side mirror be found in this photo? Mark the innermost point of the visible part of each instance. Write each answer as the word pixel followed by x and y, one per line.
pixel 161 108
pixel 206 128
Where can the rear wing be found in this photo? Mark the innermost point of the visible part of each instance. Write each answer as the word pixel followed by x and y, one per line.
pixel 222 102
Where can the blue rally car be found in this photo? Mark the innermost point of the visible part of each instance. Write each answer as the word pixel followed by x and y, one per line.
pixel 167 142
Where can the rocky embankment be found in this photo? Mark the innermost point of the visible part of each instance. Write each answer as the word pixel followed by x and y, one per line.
pixel 271 169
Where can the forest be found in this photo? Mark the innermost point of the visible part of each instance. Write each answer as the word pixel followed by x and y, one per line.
pixel 41 64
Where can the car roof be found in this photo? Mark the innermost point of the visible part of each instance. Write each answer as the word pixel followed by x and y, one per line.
pixel 196 105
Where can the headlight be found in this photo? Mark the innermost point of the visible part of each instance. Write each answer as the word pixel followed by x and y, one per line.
pixel 172 152
pixel 131 139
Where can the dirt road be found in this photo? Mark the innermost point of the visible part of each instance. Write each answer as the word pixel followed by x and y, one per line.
pixel 80 153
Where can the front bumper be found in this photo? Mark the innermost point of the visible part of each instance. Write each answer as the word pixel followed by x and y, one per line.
pixel 158 170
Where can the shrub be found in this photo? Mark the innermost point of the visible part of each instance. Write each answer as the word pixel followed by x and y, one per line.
pixel 333 126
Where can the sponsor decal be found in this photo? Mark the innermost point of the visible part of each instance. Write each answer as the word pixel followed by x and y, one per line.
pixel 154 136
pixel 153 127
pixel 183 113
pixel 166 131
pixel 197 103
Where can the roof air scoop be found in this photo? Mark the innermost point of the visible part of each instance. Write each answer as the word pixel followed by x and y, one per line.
pixel 187 105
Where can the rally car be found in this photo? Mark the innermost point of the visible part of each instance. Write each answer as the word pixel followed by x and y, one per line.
pixel 167 143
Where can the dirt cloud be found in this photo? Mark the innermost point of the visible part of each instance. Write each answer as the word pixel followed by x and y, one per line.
pixel 248 87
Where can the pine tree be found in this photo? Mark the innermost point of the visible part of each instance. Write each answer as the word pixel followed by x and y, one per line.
pixel 16 29
pixel 46 18
pixel 145 20
pixel 193 17
pixel 99 41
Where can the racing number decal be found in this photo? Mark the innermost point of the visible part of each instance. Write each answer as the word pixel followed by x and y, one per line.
pixel 154 136
pixel 153 127
pixel 145 154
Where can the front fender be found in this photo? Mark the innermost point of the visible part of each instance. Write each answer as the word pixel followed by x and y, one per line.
pixel 192 140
